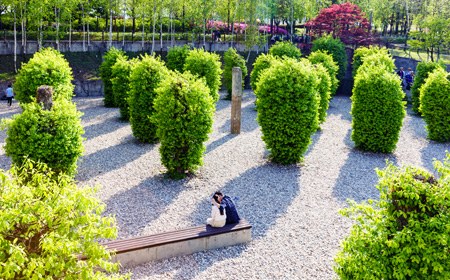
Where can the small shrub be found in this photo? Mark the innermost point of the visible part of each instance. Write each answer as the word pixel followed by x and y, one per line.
pixel 324 90
pixel 287 106
pixel 120 80
pixel 285 49
pixel 404 235
pixel 262 63
pixel 232 59
pixel 46 67
pixel 176 58
pixel 362 52
pixel 336 49
pixel 380 59
pixel 51 136
pixel 422 71
pixel 327 61
pixel 377 109
pixel 184 112
pixel 47 222
pixel 109 59
pixel 205 65
pixel 435 105
pixel 146 76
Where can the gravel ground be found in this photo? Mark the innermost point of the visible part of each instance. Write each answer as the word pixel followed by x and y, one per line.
pixel 293 209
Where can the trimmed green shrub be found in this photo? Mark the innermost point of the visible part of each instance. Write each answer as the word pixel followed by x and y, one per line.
pixel 176 58
pixel 47 222
pixel 145 77
pixel 232 59
pixel 377 109
pixel 205 65
pixel 184 113
pixel 327 61
pixel 435 105
pixel 261 63
pixel 285 48
pixel 287 106
pixel 324 90
pixel 120 80
pixel 109 59
pixel 52 136
pixel 404 235
pixel 336 49
pixel 422 71
pixel 362 52
pixel 46 67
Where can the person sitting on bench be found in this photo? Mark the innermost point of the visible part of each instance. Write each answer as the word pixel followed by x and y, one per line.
pixel 230 209
pixel 218 215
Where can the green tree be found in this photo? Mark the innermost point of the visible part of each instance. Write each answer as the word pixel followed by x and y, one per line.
pixel 109 59
pixel 322 57
pixel 423 69
pixel 120 80
pixel 336 49
pixel 285 49
pixel 232 59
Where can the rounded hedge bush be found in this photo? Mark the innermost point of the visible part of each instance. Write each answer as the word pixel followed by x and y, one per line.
pixel 145 78
pixel 261 63
pixel 46 67
pixel 176 58
pixel 423 69
pixel 403 235
pixel 324 90
pixel 109 59
pixel 205 65
pixel 232 59
pixel 287 106
pixel 362 52
pixel 184 113
pixel 327 61
pixel 377 109
pixel 285 49
pixel 120 80
pixel 435 105
pixel 336 49
pixel 50 136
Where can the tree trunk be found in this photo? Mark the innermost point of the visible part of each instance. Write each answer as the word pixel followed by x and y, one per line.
pixel 83 27
pixel 154 26
pixel 110 24
pixel 15 41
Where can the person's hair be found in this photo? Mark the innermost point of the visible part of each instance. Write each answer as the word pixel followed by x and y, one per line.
pixel 216 197
pixel 9 85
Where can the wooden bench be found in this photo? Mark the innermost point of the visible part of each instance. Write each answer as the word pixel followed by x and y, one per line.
pixel 135 251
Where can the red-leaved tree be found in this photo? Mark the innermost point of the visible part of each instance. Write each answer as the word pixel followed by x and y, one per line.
pixel 344 21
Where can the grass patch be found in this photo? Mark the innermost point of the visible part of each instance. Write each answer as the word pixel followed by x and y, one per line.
pixel 421 56
pixel 6 77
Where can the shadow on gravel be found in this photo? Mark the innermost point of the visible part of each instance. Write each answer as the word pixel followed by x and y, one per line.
pixel 98 129
pixel 434 151
pixel 340 106
pixel 248 120
pixel 219 142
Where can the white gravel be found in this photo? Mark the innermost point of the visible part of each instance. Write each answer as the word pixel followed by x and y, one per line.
pixel 293 209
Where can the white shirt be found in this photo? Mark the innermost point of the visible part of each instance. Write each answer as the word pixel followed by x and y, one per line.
pixel 217 220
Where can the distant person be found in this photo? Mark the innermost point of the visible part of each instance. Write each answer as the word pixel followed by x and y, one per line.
pixel 9 94
pixel 409 78
pixel 401 74
pixel 218 215
pixel 230 208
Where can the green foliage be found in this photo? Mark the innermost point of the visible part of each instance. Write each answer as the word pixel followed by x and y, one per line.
pixel 184 113
pixel 49 136
pixel 435 105
pixel 362 52
pixel 46 222
pixel 324 90
pixel 262 63
pixel 379 59
pixel 336 49
pixel 423 69
pixel 287 104
pixel 120 80
pixel 327 61
pixel 176 58
pixel 109 59
pixel 145 77
pixel 205 65
pixel 404 235
pixel 46 67
pixel 285 49
pixel 232 59
pixel 377 109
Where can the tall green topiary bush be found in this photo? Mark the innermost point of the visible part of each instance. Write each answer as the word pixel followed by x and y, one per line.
pixel 336 49
pixel 285 49
pixel 377 109
pixel 47 222
pixel 422 71
pixel 435 105
pixel 324 91
pixel 176 58
pixel 362 52
pixel 261 63
pixel 46 67
pixel 205 65
pixel 327 61
pixel 145 78
pixel 109 59
pixel 120 80
pixel 184 113
pixel 287 106
pixel 380 59
pixel 49 134
pixel 232 59
pixel 403 235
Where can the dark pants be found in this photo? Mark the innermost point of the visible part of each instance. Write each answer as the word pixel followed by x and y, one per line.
pixel 9 100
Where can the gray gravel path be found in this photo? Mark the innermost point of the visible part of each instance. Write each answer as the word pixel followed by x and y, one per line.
pixel 293 209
